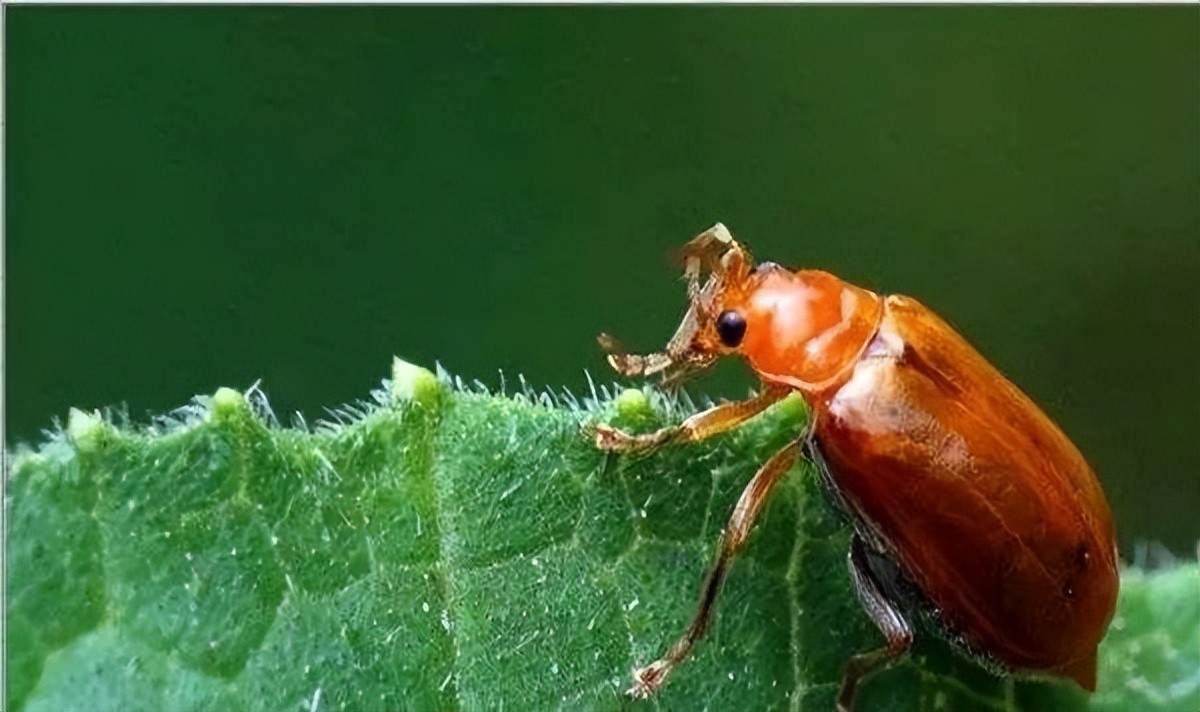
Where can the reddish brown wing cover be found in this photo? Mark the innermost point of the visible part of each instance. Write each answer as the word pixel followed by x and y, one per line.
pixel 984 502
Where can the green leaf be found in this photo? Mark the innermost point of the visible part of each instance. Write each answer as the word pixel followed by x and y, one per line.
pixel 446 548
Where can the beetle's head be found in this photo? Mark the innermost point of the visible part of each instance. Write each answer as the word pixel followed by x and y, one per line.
pixel 712 326
pixel 801 328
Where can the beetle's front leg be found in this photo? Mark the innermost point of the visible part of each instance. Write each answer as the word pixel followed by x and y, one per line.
pixel 713 421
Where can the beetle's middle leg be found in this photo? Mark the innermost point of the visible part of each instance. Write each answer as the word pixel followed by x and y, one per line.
pixel 886 616
pixel 647 680
pixel 704 424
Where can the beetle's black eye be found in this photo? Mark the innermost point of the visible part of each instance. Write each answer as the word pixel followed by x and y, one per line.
pixel 731 327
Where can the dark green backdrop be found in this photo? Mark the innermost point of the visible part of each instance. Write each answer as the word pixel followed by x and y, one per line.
pixel 200 197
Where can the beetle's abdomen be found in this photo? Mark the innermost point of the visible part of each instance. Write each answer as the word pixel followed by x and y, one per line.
pixel 983 501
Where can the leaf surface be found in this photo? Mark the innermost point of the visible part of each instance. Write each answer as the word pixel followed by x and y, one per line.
pixel 453 549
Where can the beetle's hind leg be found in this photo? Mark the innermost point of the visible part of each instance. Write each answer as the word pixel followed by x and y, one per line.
pixel 647 680
pixel 886 616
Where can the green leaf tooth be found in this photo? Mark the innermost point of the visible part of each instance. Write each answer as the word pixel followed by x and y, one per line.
pixel 227 404
pixel 88 431
pixel 633 404
pixel 415 384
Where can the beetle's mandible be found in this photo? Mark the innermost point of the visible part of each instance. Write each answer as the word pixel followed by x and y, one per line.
pixel 958 486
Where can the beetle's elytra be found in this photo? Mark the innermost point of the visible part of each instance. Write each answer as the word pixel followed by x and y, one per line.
pixel 957 484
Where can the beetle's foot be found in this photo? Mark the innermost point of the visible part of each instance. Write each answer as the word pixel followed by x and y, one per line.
pixel 647 680
pixel 596 431
pixel 611 439
pixel 605 437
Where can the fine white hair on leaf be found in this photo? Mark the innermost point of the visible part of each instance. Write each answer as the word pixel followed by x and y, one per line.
pixel 591 384
pixel 568 398
pixel 382 396
pixel 259 405
pixel 185 416
pixel 442 374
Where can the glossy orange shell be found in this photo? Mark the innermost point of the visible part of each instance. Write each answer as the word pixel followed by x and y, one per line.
pixel 980 498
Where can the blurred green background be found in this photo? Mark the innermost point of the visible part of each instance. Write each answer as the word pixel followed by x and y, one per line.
pixel 199 197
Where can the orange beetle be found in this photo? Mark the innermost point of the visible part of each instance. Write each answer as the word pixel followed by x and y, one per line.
pixel 958 486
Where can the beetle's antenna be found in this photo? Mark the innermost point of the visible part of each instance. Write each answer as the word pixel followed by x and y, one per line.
pixel 713 251
pixel 704 251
